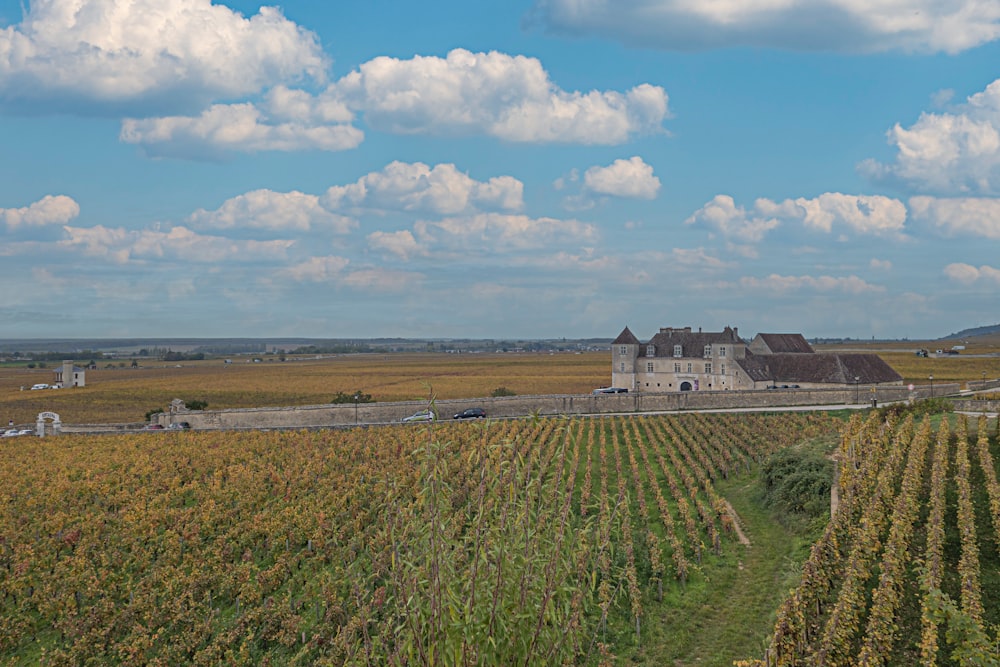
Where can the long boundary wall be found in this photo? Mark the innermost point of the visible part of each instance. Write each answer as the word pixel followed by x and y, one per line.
pixel 568 404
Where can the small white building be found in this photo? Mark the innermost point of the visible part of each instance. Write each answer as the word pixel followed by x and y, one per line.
pixel 69 375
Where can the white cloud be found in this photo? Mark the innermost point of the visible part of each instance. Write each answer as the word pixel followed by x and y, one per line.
pixel 623 178
pixel 865 214
pixel 973 216
pixel 235 128
pixel 861 213
pixel 382 280
pixel 698 258
pixel 133 52
pixel 266 209
pixel 49 210
pixel 402 186
pixel 401 243
pixel 880 264
pixel 968 274
pixel 950 153
pixel 498 232
pixel 121 245
pixel 722 215
pixel 493 94
pixel 779 283
pixel 499 95
pixel 316 269
pixel 800 25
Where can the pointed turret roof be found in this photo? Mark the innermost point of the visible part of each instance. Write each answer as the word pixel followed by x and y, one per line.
pixel 626 337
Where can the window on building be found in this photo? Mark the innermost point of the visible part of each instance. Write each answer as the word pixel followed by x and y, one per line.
pixel 677 367
pixel 677 351
pixel 722 369
pixel 649 367
pixel 650 350
pixel 623 367
pixel 708 368
pixel 708 350
pixel 623 349
pixel 722 350
pixel 689 367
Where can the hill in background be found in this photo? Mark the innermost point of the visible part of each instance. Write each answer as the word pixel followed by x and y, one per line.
pixel 989 330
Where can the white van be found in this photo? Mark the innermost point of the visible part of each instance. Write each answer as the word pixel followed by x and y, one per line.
pixel 40 386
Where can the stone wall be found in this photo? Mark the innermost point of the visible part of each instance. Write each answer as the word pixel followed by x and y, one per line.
pixel 972 405
pixel 519 406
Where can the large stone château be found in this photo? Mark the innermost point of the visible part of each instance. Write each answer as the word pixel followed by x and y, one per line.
pixel 679 359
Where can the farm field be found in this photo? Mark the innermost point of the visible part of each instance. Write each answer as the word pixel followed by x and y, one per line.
pixel 543 541
pixel 124 394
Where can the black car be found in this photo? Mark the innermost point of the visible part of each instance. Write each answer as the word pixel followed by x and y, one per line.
pixel 471 413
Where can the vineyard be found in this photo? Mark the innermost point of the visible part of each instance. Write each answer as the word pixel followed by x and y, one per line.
pixel 907 569
pixel 544 541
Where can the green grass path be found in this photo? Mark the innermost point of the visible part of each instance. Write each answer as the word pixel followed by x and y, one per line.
pixel 727 613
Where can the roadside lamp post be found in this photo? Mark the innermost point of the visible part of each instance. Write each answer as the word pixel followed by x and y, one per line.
pixel 984 380
pixel 931 378
pixel 357 398
pixel 857 390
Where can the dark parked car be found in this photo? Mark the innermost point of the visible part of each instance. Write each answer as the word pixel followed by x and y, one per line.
pixel 471 413
pixel 610 390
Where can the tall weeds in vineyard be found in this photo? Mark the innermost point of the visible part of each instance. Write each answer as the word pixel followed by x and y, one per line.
pixel 506 581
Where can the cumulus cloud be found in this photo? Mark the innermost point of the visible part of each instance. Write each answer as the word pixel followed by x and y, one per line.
pixel 623 178
pixel 722 215
pixel 417 187
pixel 698 258
pixel 114 54
pixel 779 283
pixel 800 25
pixel 316 269
pixel 121 245
pixel 232 128
pixel 402 244
pixel 266 209
pixel 863 214
pixel 972 216
pixel 499 95
pixel 500 232
pixel 382 280
pixel 968 274
pixel 948 153
pixel 465 93
pixel 49 210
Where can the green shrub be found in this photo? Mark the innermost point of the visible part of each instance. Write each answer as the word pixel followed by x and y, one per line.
pixel 797 482
pixel 926 406
pixel 354 397
pixel 502 391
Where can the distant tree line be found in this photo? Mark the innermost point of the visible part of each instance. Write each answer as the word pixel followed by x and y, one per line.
pixel 54 356
pixel 170 355
pixel 333 348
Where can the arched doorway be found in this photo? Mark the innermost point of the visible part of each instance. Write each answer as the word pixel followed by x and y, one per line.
pixel 686 386
pixel 40 423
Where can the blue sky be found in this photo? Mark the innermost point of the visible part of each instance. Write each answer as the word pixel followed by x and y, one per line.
pixel 516 169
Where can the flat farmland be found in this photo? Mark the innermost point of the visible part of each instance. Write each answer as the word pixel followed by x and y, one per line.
pixel 115 395
pixel 980 356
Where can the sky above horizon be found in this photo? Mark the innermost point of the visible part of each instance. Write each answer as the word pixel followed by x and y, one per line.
pixel 518 169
